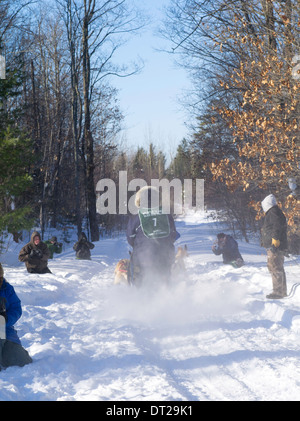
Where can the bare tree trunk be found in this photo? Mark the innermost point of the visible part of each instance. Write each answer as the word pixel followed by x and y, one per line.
pixel 74 116
pixel 268 9
pixel 88 138
pixel 37 149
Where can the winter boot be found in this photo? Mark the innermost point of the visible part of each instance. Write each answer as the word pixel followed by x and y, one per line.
pixel 274 296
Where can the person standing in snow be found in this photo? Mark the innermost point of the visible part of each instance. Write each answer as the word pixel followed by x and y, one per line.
pixel 274 240
pixel 151 234
pixel 11 350
pixel 228 247
pixel 83 247
pixel 35 254
pixel 53 246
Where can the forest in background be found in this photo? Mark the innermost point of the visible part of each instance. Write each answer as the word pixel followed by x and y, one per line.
pixel 60 117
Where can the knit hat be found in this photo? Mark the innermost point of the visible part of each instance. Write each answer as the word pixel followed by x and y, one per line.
pixel 268 202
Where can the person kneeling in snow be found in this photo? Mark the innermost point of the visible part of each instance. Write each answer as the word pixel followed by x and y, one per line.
pixel 53 246
pixel 35 254
pixel 228 247
pixel 11 351
pixel 83 247
pixel 151 234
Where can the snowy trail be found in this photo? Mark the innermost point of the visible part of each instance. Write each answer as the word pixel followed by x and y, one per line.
pixel 211 336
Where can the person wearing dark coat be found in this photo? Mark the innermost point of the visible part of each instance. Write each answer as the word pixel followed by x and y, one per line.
pixel 228 247
pixel 274 240
pixel 83 247
pixel 35 255
pixel 151 234
pixel 12 352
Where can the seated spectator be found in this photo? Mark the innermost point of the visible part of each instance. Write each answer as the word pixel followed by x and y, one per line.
pixel 53 246
pixel 35 254
pixel 83 247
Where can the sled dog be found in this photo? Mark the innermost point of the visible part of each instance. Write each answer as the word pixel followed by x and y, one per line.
pixel 121 272
pixel 179 265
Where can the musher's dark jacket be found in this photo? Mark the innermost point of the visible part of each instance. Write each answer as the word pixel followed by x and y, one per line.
pixel 149 252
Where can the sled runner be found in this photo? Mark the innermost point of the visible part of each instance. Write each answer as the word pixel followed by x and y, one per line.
pixel 2 328
pixel 2 318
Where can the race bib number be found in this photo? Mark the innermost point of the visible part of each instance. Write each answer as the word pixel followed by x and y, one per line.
pixel 154 223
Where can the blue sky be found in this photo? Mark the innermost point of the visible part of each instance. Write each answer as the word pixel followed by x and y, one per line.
pixel 149 100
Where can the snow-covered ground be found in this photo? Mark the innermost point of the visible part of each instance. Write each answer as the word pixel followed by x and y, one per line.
pixel 210 336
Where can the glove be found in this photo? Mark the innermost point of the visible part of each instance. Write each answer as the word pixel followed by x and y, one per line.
pixel 39 254
pixel 36 253
pixel 275 243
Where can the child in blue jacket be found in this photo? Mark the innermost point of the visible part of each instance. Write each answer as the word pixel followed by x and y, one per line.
pixel 11 351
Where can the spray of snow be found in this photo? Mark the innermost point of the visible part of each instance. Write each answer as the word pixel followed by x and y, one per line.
pixel 178 304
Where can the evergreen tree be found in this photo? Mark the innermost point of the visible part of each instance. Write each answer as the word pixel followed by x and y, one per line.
pixel 15 157
pixel 182 161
